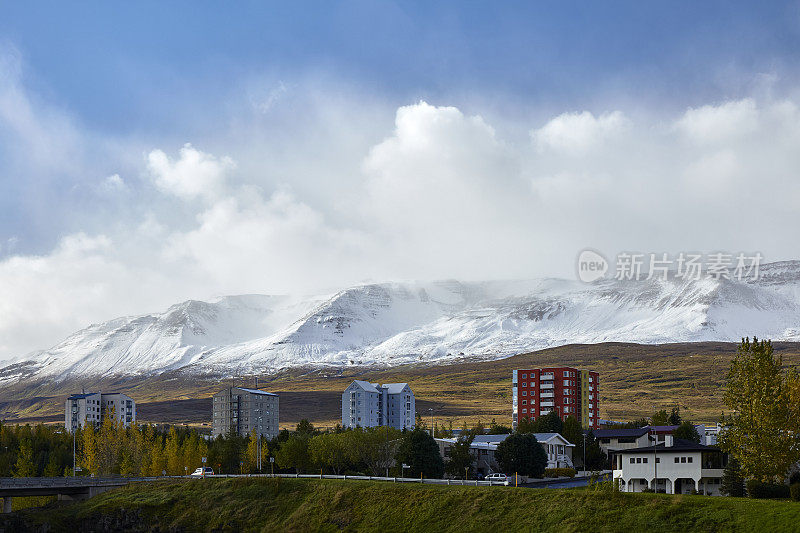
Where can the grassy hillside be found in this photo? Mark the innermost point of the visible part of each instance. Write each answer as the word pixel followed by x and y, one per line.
pixel 635 379
pixel 314 505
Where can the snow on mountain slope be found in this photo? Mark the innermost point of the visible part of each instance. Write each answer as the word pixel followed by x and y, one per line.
pixel 403 322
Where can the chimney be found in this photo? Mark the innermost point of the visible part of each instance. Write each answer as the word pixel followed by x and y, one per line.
pixel 668 441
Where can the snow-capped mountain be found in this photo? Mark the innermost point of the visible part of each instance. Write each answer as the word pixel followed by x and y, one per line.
pixel 394 323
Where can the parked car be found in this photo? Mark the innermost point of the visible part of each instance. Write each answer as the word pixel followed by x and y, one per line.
pixel 200 472
pixel 498 477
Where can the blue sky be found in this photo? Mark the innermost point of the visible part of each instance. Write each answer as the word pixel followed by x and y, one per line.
pixel 157 151
pixel 149 65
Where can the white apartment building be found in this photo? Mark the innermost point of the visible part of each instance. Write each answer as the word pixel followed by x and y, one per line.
pixel 241 410
pixel 91 407
pixel 367 404
pixel 676 467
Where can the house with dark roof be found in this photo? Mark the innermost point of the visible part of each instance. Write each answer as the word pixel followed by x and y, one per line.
pixel 675 466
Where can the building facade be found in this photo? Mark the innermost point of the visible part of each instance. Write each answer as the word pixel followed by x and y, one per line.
pixel 565 390
pixel 91 408
pixel 483 447
pixel 676 467
pixel 241 410
pixel 367 404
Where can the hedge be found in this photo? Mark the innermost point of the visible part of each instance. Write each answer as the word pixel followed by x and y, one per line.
pixel 759 490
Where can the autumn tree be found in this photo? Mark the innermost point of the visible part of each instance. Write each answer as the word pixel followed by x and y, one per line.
pixel 24 466
pixel 763 431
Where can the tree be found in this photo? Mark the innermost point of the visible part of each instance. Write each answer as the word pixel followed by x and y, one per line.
pixel 421 453
pixel 334 450
pixel 763 431
pixel 596 459
pixel 521 453
pixel 24 466
pixel 674 418
pixel 687 431
pixel 498 429
pixel 549 423
pixel 294 454
pixel 460 460
pixel 732 483
pixel 660 418
pixel 172 451
pixel 572 431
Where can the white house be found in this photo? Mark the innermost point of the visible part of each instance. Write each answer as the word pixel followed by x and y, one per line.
pixel 367 404
pixel 483 447
pixel 675 466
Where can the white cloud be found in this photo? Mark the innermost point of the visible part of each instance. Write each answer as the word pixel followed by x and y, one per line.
pixel 438 193
pixel 194 174
pixel 717 123
pixel 578 133
pixel 113 184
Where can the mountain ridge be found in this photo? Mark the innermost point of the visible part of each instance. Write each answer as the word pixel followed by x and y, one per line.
pixel 433 322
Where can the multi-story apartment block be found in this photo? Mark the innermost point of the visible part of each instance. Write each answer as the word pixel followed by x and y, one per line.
pixel 240 410
pixel 367 404
pixel 567 391
pixel 85 408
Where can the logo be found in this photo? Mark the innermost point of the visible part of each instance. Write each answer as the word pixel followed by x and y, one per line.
pixel 591 266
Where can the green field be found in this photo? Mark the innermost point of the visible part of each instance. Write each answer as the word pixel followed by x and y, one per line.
pixel 329 505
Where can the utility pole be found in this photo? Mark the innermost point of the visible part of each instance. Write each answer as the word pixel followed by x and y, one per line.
pixel 584 453
pixel 74 430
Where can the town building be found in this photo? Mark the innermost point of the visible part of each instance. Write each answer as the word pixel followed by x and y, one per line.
pixel 240 410
pixel 91 408
pixel 564 390
pixel 614 440
pixel 558 449
pixel 367 404
pixel 675 466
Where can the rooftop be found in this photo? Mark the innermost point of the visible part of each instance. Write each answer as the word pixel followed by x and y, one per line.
pixel 678 445
pixel 257 391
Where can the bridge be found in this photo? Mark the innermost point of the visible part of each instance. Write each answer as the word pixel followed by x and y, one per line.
pixel 66 488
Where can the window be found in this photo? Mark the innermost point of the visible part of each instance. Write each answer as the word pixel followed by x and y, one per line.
pixel 677 460
pixel 683 459
pixel 566 374
pixel 688 459
pixel 524 402
pixel 658 460
pixel 524 393
pixel 638 459
pixel 524 410
pixel 524 376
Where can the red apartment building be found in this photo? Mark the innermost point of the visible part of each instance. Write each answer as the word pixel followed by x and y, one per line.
pixel 567 391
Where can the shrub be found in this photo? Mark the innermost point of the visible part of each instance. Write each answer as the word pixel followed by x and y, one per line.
pixel 559 472
pixel 759 490
pixel 794 491
pixel 794 477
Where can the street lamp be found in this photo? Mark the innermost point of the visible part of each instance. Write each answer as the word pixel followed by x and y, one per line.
pixel 430 409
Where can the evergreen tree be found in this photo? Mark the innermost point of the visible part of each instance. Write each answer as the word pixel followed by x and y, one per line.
pixel 419 451
pixel 521 453
pixel 674 418
pixel 732 481
pixel 459 463
pixel 660 418
pixel 687 431
pixel 571 430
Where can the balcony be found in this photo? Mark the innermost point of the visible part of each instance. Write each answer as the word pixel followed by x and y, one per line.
pixel 547 375
pixel 546 404
pixel 545 386
pixel 546 395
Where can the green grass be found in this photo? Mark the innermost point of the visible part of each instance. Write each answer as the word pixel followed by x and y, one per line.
pixel 315 505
